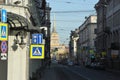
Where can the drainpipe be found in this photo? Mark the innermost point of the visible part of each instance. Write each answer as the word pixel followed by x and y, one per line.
pixel 27 56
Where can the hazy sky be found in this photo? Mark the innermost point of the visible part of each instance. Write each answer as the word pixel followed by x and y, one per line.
pixel 70 14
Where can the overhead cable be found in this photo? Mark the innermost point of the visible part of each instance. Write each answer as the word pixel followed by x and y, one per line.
pixel 73 11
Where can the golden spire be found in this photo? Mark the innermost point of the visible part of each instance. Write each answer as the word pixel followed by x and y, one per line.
pixel 54 24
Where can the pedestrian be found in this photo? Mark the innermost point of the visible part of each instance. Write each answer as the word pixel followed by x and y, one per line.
pixel 83 62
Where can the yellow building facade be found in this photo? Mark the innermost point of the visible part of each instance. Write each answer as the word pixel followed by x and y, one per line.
pixel 57 50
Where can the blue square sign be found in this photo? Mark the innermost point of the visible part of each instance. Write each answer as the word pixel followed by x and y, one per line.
pixel 3 31
pixel 34 39
pixel 37 51
pixel 3 15
pixel 37 38
pixel 40 38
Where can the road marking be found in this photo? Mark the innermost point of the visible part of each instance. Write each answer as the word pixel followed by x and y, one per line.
pixel 78 74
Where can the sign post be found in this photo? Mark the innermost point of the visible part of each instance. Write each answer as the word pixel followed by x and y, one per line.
pixel 3 45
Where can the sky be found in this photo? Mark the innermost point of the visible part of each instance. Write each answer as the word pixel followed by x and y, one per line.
pixel 69 15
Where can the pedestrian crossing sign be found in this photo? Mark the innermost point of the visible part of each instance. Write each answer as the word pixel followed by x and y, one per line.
pixel 37 51
pixel 3 31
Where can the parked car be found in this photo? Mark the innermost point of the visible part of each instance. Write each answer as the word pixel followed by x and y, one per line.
pixel 87 64
pixel 54 61
pixel 93 65
pixel 97 65
pixel 70 63
pixel 100 65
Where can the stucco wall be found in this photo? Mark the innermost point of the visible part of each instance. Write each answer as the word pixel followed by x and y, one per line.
pixel 17 60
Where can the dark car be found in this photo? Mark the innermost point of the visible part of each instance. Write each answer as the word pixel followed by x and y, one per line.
pixel 100 65
pixel 93 65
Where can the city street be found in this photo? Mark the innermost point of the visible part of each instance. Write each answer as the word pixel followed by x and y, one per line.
pixel 62 72
pixel 59 39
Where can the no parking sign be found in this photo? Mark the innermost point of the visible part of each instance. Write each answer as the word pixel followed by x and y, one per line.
pixel 3 49
pixel 3 46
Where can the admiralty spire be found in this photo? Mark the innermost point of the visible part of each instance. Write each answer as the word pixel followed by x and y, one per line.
pixel 57 50
pixel 54 36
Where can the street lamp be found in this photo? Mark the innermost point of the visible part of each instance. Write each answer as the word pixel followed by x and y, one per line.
pixel 14 46
pixel 22 44
pixel 17 2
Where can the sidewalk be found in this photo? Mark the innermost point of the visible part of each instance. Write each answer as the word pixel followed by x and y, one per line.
pixel 49 74
pixel 117 72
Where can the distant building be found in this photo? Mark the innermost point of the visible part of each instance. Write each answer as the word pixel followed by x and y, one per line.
pixel 62 52
pixel 54 37
pixel 74 36
pixel 57 50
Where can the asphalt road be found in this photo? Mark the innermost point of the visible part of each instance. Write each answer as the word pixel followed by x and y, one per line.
pixel 62 72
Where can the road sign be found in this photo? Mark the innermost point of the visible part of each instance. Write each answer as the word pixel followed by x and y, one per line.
pixel 34 38
pixel 3 15
pixel 3 46
pixel 37 38
pixel 3 31
pixel 3 56
pixel 40 38
pixel 37 51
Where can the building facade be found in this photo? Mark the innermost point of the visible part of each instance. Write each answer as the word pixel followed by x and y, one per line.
pixel 113 38
pixel 86 39
pixel 24 17
pixel 101 31
pixel 54 44
pixel 110 10
pixel 54 37
pixel 73 45
pixel 2 1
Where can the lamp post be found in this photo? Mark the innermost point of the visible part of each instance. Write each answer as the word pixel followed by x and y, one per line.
pixel 14 46
pixel 22 44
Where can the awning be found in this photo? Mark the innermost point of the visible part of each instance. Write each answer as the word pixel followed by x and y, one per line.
pixel 18 22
